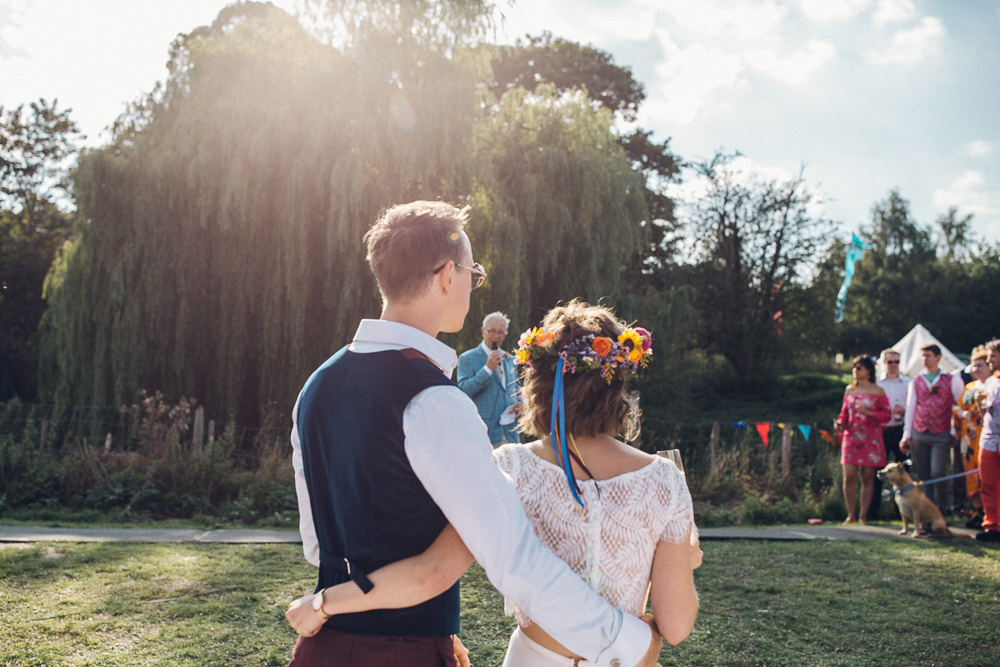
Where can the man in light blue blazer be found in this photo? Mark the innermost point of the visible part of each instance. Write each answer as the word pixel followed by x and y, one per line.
pixel 487 374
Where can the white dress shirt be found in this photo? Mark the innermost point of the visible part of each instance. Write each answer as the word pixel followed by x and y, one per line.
pixel 895 390
pixel 957 387
pixel 448 448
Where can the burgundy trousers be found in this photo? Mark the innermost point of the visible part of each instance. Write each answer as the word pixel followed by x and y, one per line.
pixel 335 649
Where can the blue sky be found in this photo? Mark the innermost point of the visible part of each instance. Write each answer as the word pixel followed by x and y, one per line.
pixel 868 94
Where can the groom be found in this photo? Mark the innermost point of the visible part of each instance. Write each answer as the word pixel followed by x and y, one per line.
pixel 387 451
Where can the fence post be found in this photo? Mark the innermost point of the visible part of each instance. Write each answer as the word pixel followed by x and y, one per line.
pixel 41 437
pixel 198 438
pixel 211 430
pixel 786 452
pixel 715 446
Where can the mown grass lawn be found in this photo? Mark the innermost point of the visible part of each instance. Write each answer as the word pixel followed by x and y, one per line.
pixel 798 604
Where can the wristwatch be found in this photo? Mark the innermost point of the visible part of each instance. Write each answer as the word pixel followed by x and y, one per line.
pixel 317 604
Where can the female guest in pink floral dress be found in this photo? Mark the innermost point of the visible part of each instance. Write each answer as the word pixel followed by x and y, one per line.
pixel 865 409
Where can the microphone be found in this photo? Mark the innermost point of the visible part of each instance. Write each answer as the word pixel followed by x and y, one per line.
pixel 494 345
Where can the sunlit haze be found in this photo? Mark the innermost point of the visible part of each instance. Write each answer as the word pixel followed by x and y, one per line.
pixel 868 94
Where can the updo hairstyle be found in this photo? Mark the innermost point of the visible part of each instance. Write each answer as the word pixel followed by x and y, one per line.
pixel 593 407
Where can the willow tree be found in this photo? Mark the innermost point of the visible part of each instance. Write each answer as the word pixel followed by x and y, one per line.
pixel 217 253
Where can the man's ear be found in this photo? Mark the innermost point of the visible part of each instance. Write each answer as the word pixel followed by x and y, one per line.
pixel 445 277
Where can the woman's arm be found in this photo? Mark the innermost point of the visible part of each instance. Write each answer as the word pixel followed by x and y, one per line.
pixel 675 601
pixel 404 583
pixel 882 414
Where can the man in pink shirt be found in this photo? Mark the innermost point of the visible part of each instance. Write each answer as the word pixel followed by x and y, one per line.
pixel 927 432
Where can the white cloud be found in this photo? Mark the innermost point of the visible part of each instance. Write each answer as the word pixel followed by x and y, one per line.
pixel 893 11
pixel 690 78
pixel 833 10
pixel 978 148
pixel 794 69
pixel 10 18
pixel 746 20
pixel 971 194
pixel 912 46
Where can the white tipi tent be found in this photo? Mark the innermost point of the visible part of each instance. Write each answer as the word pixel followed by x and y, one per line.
pixel 911 359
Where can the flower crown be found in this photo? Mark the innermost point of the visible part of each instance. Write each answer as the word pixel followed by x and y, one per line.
pixel 630 352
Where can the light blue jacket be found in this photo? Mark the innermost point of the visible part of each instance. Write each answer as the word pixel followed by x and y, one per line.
pixel 486 391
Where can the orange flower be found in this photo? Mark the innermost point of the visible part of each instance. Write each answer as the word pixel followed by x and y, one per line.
pixel 545 339
pixel 601 345
pixel 635 355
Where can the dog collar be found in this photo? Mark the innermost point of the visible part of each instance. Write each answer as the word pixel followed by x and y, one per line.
pixel 904 489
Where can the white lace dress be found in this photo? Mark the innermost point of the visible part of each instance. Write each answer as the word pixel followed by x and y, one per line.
pixel 611 545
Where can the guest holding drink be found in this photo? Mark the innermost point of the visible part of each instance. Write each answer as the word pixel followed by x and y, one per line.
pixel 895 386
pixel 864 411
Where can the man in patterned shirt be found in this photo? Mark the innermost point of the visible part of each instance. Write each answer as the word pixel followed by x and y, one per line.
pixel 989 450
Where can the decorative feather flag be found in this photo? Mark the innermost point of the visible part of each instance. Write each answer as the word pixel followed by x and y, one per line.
pixel 805 431
pixel 763 429
pixel 855 251
pixel 826 436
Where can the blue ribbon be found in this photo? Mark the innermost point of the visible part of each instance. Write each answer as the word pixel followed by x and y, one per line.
pixel 559 420
pixel 855 251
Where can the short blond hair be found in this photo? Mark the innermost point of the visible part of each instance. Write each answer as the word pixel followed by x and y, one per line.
pixel 409 241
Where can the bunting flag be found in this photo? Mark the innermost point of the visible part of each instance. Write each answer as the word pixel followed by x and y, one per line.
pixel 763 429
pixel 826 436
pixel 781 426
pixel 805 431
pixel 738 425
pixel 855 251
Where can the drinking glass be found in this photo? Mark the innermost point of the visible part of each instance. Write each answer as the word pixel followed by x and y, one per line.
pixel 674 455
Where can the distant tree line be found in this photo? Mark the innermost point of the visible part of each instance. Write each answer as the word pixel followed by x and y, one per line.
pixel 215 249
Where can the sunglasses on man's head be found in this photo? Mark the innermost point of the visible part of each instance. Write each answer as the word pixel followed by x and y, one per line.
pixel 477 271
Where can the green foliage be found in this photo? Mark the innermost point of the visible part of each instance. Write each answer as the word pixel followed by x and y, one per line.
pixel 152 469
pixel 754 238
pixel 218 244
pixel 568 66
pixel 34 147
pixel 911 275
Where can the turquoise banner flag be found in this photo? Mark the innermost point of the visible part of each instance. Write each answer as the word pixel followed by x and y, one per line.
pixel 854 252
pixel 805 431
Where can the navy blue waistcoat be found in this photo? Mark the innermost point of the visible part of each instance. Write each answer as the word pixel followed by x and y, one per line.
pixel 367 503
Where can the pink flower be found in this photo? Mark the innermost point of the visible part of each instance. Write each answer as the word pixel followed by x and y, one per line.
pixel 647 338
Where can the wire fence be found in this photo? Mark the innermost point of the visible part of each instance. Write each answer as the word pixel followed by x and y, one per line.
pixel 116 427
pixel 717 457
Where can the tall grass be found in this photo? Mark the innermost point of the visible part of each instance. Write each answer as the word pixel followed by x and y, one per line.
pixel 146 463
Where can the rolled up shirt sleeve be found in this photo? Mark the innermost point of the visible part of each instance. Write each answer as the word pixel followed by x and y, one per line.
pixel 449 449
pixel 307 528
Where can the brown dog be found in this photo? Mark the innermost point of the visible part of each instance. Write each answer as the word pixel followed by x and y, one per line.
pixel 913 504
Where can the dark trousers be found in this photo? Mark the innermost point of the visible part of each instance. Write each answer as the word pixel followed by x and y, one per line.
pixel 891 436
pixel 335 649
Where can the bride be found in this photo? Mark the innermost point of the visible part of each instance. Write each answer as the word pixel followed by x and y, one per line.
pixel 620 518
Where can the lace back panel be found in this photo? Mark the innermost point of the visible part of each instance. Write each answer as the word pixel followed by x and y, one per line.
pixel 612 545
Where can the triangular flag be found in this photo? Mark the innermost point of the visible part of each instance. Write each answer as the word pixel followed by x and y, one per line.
pixel 739 425
pixel 763 429
pixel 805 431
pixel 826 436
pixel 781 426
